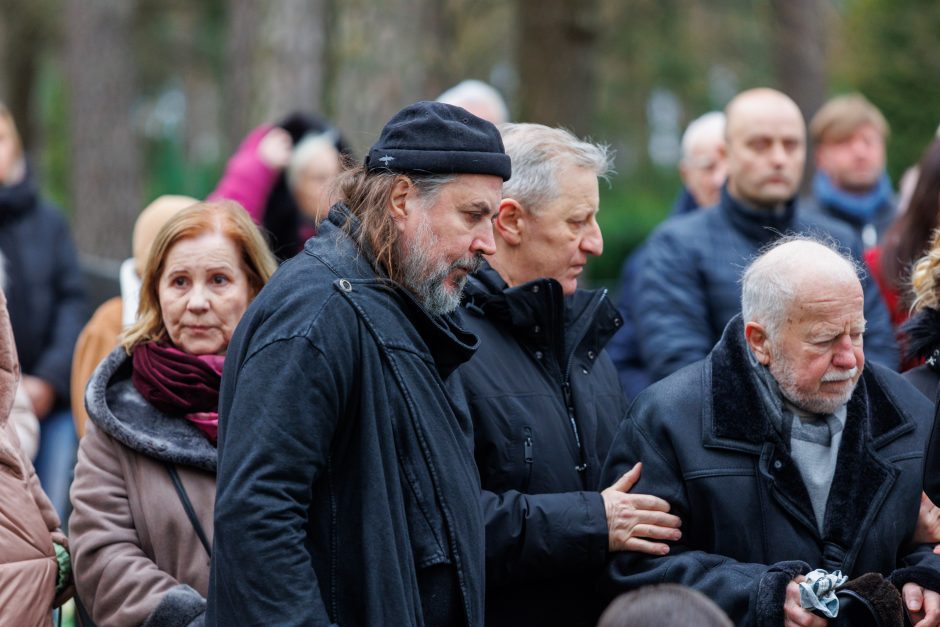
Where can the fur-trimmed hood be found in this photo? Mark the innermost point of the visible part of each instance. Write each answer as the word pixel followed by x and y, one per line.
pixel 118 409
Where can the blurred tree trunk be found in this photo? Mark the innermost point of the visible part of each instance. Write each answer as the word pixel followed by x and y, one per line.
pixel 105 155
pixel 276 60
pixel 799 37
pixel 383 50
pixel 557 50
pixel 799 31
pixel 22 42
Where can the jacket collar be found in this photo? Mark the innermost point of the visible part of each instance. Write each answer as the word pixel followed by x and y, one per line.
pixel 370 292
pixel 738 420
pixel 118 409
pixel 541 316
pixel 760 224
pixel 19 197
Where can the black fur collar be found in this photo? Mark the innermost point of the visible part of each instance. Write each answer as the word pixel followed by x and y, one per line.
pixel 118 409
pixel 736 412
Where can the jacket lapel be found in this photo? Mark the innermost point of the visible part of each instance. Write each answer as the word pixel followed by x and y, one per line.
pixel 862 478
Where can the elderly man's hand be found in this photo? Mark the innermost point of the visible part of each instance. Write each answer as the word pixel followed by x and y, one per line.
pixel 923 606
pixel 928 523
pixel 633 517
pixel 793 613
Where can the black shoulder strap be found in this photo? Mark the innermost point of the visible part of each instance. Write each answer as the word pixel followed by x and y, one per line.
pixel 188 506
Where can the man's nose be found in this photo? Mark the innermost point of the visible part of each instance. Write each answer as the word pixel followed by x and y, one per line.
pixel 483 241
pixel 778 154
pixel 844 355
pixel 593 242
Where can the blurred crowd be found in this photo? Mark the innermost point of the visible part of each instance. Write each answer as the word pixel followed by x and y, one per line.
pixel 369 391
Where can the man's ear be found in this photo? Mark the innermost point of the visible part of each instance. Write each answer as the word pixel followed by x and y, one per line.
pixel 757 339
pixel 510 221
pixel 398 203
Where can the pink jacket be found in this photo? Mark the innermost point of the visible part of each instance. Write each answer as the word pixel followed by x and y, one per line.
pixel 247 180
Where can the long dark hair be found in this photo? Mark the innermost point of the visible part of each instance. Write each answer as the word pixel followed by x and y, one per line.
pixel 909 237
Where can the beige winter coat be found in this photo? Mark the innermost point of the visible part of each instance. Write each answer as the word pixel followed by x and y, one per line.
pixel 137 558
pixel 28 522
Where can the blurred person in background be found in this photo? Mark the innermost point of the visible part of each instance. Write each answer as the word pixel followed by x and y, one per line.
pixel 703 172
pixel 45 297
pixel 663 604
pixel 281 174
pixel 103 331
pixel 544 398
pixel 851 184
pixel 702 164
pixel 922 337
pixel 922 330
pixel 688 286
pixel 144 487
pixel 909 237
pixel 479 98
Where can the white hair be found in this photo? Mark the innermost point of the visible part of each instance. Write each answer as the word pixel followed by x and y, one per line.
pixel 538 153
pixel 708 127
pixel 772 281
pixel 308 148
pixel 472 92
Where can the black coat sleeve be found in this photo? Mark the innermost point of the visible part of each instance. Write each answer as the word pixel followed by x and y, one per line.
pixel 530 536
pixel 274 443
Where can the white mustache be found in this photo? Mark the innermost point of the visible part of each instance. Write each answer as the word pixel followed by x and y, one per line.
pixel 839 375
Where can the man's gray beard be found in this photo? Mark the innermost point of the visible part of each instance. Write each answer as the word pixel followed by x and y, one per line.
pixel 785 375
pixel 425 277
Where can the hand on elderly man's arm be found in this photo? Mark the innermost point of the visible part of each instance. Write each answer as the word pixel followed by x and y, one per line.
pixel 635 519
pixel 928 524
pixel 922 605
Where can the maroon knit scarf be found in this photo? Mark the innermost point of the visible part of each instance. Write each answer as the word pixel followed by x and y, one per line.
pixel 179 383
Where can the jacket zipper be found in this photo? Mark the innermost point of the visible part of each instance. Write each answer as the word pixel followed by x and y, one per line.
pixel 529 458
pixel 566 390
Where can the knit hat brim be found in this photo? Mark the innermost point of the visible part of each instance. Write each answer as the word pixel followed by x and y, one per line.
pixel 439 162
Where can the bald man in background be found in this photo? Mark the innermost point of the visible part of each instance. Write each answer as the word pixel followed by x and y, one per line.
pixel 688 286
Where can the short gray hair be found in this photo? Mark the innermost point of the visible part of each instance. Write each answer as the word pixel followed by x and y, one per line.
pixel 538 153
pixel 708 126
pixel 771 282
pixel 306 149
pixel 470 92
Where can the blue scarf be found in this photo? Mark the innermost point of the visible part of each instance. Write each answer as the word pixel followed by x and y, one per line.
pixel 859 207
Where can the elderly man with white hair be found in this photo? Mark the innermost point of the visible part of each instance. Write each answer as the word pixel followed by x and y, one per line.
pixel 782 452
pixel 702 165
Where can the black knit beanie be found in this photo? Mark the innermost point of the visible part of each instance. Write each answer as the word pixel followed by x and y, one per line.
pixel 439 138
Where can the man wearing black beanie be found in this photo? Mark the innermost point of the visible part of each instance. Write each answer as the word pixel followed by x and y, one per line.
pixel 347 491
